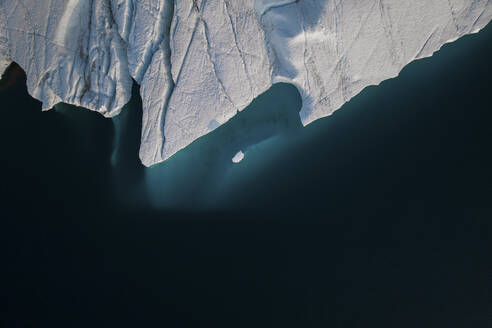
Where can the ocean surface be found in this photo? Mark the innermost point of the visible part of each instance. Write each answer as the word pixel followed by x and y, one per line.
pixel 378 215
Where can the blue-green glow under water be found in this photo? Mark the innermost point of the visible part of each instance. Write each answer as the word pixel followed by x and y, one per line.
pixel 277 148
pixel 203 173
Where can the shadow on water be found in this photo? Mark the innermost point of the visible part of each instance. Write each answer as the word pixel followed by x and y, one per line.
pixel 55 159
pixel 127 170
pixel 120 136
pixel 13 77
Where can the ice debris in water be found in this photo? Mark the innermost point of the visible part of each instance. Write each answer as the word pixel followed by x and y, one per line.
pixel 238 157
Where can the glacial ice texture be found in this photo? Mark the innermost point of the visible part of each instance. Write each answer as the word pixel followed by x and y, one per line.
pixel 199 62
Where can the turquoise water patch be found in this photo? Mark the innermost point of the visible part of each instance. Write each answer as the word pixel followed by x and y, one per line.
pixel 329 155
pixel 200 174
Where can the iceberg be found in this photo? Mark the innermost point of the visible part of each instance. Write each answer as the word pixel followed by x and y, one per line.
pixel 200 62
pixel 238 157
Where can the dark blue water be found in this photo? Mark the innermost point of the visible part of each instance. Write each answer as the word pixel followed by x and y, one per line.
pixel 376 216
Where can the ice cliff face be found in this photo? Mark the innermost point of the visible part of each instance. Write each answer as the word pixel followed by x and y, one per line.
pixel 200 62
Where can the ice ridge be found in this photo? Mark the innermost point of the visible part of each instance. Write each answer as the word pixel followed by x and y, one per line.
pixel 199 62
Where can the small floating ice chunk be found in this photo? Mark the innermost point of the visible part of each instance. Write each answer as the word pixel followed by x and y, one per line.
pixel 238 157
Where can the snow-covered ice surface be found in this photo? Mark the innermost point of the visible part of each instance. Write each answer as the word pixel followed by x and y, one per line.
pixel 200 62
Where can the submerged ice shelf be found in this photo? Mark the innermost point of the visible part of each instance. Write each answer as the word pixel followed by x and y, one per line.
pixel 199 62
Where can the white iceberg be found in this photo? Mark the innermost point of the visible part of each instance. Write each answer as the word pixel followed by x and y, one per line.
pixel 238 157
pixel 200 62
